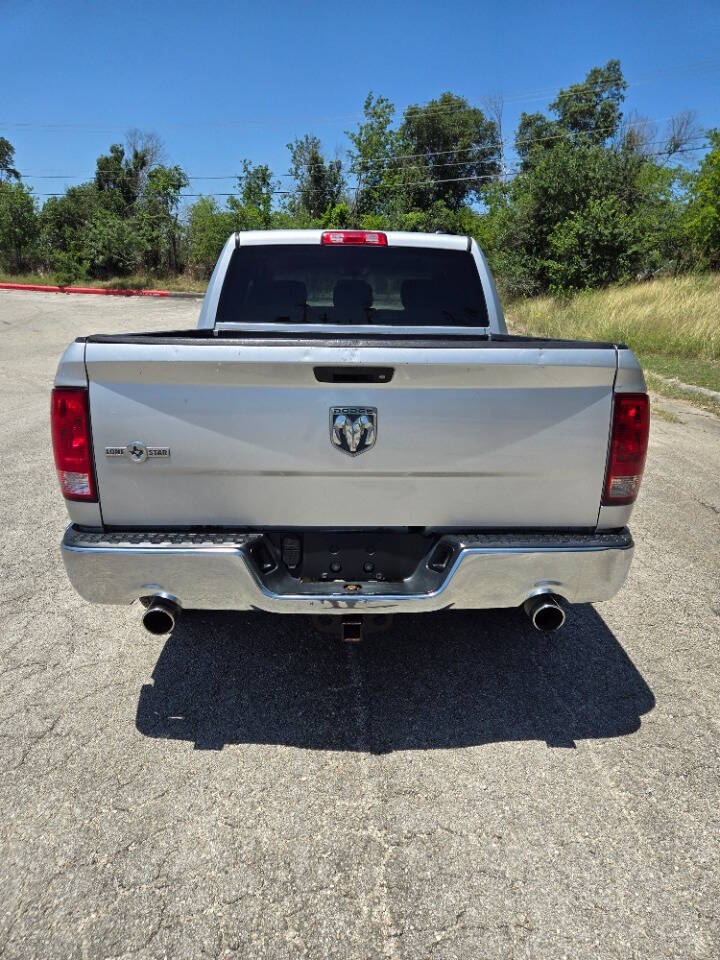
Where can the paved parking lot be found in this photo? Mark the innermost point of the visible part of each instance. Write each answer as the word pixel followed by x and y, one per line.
pixel 461 787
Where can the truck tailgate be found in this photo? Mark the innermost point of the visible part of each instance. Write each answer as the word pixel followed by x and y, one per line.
pixel 510 435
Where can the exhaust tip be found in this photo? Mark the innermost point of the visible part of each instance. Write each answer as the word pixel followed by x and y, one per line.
pixel 160 617
pixel 545 612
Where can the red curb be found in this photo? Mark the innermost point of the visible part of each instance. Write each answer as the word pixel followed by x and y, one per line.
pixel 99 291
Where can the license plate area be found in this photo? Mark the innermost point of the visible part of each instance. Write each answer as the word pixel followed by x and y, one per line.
pixel 356 556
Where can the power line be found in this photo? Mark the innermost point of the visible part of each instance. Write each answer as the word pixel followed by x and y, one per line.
pixel 697 66
pixel 391 159
pixel 410 185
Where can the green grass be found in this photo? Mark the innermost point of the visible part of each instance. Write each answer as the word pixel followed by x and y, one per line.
pixel 673 392
pixel 701 373
pixel 135 282
pixel 672 325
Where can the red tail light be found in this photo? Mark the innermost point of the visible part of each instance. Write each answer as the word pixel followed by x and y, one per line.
pixel 628 447
pixel 369 238
pixel 70 427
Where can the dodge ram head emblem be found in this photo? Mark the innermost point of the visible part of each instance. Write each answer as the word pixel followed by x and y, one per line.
pixel 353 429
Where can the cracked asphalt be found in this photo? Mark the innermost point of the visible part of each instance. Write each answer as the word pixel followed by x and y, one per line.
pixel 460 787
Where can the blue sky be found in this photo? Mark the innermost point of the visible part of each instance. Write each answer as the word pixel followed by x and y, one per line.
pixel 220 81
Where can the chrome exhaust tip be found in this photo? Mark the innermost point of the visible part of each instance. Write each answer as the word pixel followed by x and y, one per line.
pixel 161 616
pixel 545 612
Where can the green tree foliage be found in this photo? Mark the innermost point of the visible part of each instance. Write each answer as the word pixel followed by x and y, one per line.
pixel 257 189
pixel 660 217
pixel 592 247
pixel 112 245
pixel 125 219
pixel 536 134
pixel 7 158
pixel 373 158
pixel 338 217
pixel 591 110
pixel 320 182
pixel 585 113
pixel 595 199
pixel 208 227
pixel 64 224
pixel 118 178
pixel 583 216
pixel 18 226
pixel 452 151
pixel 703 219
pixel 159 230
pixel 253 208
pixel 584 211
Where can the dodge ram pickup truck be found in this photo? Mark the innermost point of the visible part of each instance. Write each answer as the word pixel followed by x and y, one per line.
pixel 350 430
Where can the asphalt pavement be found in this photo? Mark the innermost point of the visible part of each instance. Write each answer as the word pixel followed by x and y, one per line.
pixel 458 787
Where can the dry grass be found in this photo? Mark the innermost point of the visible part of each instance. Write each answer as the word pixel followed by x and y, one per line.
pixel 671 317
pixel 673 325
pixel 667 415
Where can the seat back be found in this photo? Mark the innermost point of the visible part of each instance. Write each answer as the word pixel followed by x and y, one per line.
pixel 352 300
pixel 279 300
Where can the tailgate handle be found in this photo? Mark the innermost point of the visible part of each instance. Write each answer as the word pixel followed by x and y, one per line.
pixel 354 374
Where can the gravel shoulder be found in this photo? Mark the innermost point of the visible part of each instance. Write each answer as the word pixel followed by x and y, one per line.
pixel 461 787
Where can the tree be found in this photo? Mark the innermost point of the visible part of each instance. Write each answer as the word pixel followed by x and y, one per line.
pixel 703 218
pixel 338 217
pixel 591 110
pixel 591 205
pixel 18 226
pixel 373 157
pixel 593 246
pixel 7 158
pixel 637 134
pixel 581 216
pixel 149 148
pixel 111 245
pixel 257 188
pixel 659 218
pixel 495 108
pixel 64 222
pixel 208 229
pixel 157 216
pixel 535 135
pixel 320 182
pixel 682 130
pixel 585 113
pixel 119 178
pixel 452 152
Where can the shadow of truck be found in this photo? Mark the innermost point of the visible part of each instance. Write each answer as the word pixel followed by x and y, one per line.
pixel 440 680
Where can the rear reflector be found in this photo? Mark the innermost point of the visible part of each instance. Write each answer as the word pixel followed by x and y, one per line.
pixel 368 238
pixel 70 428
pixel 628 447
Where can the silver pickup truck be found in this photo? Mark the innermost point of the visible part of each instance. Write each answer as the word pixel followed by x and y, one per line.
pixel 350 430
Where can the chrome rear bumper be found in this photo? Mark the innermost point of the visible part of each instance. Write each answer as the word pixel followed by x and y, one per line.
pixel 216 571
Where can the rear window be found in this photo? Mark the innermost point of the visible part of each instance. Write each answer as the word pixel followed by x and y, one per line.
pixel 407 286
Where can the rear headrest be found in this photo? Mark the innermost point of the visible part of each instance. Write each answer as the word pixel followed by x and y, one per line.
pixel 352 292
pixel 421 293
pixel 279 294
